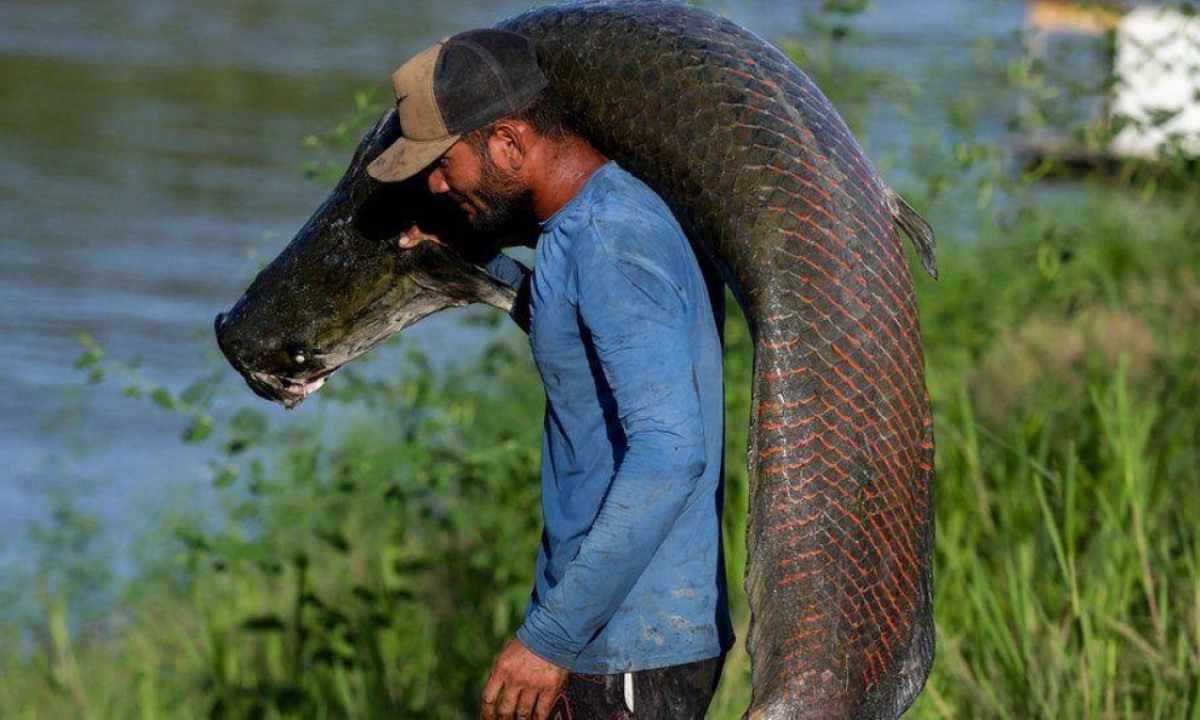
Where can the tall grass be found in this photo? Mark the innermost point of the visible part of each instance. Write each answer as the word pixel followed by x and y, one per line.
pixel 370 564
pixel 1069 471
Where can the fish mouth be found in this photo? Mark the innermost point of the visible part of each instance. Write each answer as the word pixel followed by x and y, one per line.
pixel 286 391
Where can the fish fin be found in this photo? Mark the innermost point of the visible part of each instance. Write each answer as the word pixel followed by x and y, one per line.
pixel 915 227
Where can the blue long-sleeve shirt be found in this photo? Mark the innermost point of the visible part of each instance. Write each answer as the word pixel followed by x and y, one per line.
pixel 629 573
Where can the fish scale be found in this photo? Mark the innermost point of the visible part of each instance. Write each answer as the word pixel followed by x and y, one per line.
pixel 771 186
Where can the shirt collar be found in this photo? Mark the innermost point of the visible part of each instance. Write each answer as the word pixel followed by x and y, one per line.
pixel 556 219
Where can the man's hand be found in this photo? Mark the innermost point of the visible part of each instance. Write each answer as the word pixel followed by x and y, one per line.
pixel 414 236
pixel 522 686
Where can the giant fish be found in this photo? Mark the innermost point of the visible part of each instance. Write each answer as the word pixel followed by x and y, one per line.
pixel 773 190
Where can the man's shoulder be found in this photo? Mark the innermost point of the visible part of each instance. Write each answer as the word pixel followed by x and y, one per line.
pixel 618 188
pixel 627 216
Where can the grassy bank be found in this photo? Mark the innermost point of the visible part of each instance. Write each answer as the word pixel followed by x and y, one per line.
pixel 373 570
pixel 1063 364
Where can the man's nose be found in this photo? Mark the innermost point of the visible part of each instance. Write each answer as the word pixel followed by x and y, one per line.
pixel 437 182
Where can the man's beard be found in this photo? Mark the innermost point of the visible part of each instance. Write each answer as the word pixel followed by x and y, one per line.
pixel 501 201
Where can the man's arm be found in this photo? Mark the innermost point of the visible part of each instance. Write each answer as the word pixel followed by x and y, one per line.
pixel 516 275
pixel 638 322
pixel 501 266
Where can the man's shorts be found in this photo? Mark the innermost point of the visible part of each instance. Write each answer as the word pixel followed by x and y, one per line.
pixel 679 692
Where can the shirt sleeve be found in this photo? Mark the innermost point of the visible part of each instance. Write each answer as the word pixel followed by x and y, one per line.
pixel 516 276
pixel 638 321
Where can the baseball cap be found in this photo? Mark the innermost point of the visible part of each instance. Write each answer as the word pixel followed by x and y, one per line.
pixel 460 84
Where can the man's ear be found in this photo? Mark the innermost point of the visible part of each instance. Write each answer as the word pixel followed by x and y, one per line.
pixel 509 143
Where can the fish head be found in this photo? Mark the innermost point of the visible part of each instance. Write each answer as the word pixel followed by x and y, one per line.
pixel 346 281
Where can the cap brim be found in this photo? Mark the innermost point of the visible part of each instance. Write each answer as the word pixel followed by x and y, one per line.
pixel 407 157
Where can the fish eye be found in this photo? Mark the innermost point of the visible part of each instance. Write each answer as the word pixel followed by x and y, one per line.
pixel 297 356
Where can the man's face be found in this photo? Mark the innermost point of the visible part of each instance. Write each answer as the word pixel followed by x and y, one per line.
pixel 490 196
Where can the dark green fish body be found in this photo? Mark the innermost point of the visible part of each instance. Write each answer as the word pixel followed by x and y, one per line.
pixel 773 189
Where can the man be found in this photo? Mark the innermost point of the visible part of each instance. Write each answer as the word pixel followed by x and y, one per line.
pixel 628 613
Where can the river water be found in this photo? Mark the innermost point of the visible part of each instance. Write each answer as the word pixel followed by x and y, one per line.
pixel 150 160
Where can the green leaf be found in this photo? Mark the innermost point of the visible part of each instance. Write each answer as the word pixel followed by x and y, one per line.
pixel 193 394
pixel 1049 261
pixel 88 358
pixel 163 398
pixel 225 476
pixel 199 430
